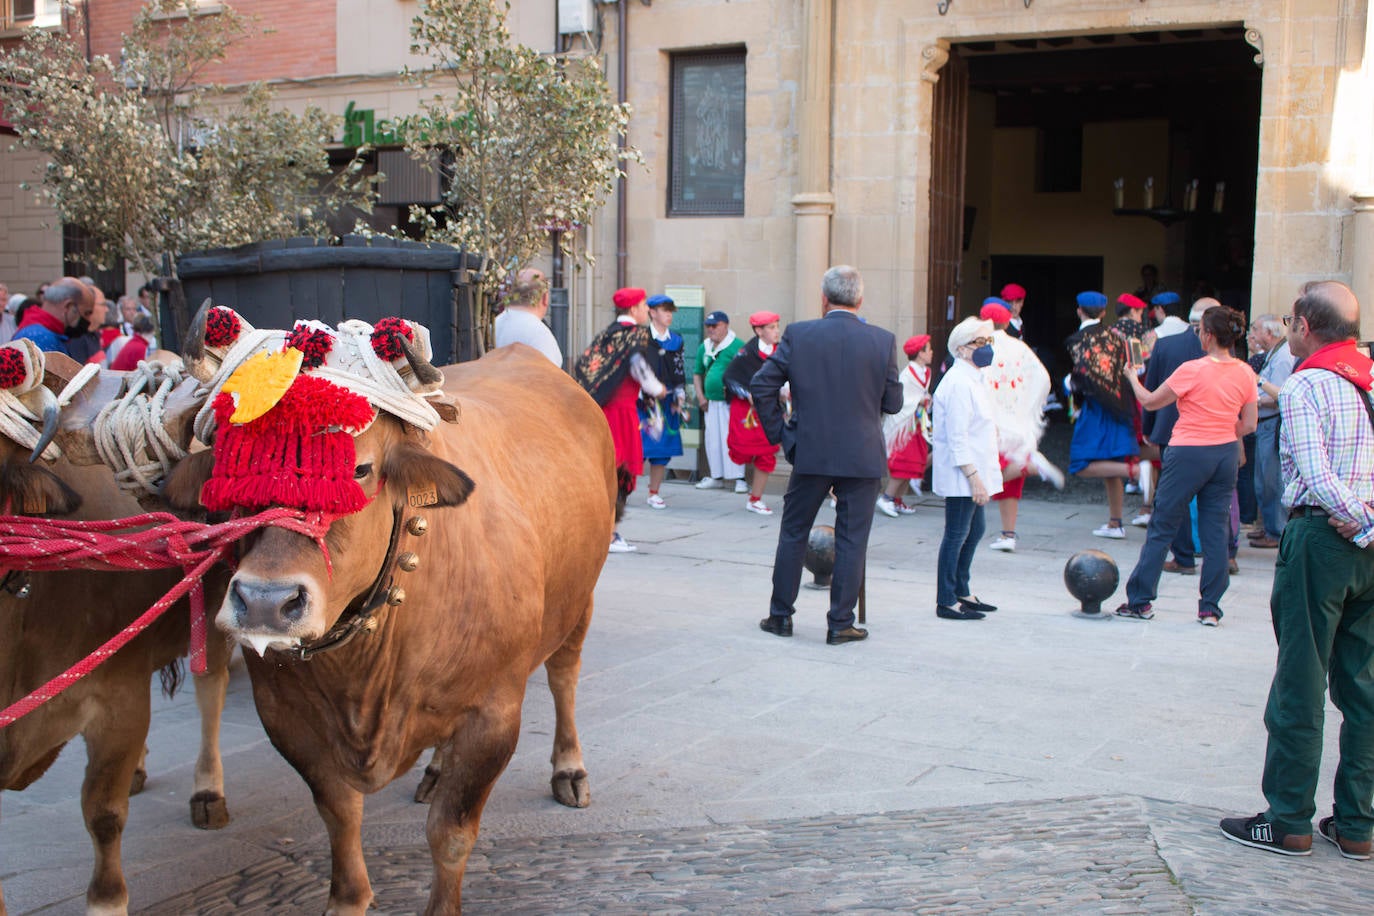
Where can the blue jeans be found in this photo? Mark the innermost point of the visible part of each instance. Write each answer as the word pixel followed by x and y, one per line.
pixel 1209 473
pixel 964 527
pixel 1247 487
pixel 1268 478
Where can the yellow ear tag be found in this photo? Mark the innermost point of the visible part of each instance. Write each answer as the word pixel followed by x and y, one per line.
pixel 261 382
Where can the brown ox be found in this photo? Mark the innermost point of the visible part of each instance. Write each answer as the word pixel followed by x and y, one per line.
pixel 515 543
pixel 64 616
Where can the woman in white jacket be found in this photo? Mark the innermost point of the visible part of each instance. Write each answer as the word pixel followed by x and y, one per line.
pixel 965 469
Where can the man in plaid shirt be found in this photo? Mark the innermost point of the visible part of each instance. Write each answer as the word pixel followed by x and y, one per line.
pixel 1323 598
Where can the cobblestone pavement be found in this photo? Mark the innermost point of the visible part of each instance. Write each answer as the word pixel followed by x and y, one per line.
pixel 1105 854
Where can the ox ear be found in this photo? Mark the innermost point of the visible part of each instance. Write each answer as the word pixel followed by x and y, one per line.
pixel 184 484
pixel 27 489
pixel 420 479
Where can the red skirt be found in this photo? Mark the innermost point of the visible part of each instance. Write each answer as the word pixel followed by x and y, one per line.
pixel 909 462
pixel 622 416
pixel 746 441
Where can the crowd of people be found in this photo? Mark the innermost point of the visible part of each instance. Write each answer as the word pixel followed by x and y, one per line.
pixel 72 315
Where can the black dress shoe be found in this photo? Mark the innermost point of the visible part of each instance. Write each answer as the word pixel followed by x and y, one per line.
pixel 954 613
pixel 848 634
pixel 777 624
pixel 972 603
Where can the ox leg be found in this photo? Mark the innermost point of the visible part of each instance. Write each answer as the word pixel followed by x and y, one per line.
pixel 482 746
pixel 424 792
pixel 341 809
pixel 569 783
pixel 113 747
pixel 140 778
pixel 208 808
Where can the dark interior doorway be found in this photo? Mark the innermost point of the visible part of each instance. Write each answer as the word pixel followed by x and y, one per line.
pixel 1051 283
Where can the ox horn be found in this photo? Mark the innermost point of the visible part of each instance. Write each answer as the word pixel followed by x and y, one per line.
pixel 198 360
pixel 51 414
pixel 429 377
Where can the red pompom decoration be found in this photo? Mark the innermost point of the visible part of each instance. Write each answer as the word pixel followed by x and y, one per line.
pixel 12 370
pixel 222 327
pixel 315 343
pixel 385 334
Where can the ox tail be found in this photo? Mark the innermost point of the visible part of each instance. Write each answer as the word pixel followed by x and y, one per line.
pixel 624 486
pixel 171 677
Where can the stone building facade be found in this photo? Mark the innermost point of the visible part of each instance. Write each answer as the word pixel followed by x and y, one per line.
pixel 941 146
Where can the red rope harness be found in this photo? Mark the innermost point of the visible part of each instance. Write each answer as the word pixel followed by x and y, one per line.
pixel 39 544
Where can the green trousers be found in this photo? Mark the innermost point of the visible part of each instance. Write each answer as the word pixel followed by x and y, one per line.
pixel 1323 611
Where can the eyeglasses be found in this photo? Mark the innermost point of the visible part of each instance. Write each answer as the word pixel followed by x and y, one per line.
pixel 979 342
pixel 1288 320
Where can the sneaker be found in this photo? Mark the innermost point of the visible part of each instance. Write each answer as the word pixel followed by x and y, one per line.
pixel 1142 520
pixel 887 506
pixel 1048 472
pixel 1144 611
pixel 1132 487
pixel 1146 475
pixel 1115 532
pixel 620 545
pixel 1258 832
pixel 1208 620
pixel 757 505
pixel 1351 849
pixel 741 486
pixel 656 502
pixel 1172 566
pixel 1006 542
pixel 903 508
pixel 709 483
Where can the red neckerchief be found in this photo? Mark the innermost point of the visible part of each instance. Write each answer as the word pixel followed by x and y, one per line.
pixel 924 382
pixel 36 315
pixel 1343 359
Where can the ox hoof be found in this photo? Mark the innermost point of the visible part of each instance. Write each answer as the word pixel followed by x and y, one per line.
pixel 139 781
pixel 571 788
pixel 209 811
pixel 424 792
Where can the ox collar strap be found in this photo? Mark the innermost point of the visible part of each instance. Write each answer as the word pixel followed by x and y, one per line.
pixel 359 616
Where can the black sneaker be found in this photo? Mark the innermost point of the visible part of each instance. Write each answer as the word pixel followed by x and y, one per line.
pixel 1351 849
pixel 1144 611
pixel 1258 832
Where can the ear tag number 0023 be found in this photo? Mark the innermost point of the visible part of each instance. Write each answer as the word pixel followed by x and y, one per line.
pixel 418 497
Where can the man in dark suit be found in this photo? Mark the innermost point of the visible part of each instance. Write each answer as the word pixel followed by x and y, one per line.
pixel 843 375
pixel 1168 354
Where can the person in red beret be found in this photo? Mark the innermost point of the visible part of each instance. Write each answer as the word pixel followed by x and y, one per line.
pixel 615 369
pixel 746 440
pixel 1018 385
pixel 907 432
pixel 1014 295
pixel 1130 316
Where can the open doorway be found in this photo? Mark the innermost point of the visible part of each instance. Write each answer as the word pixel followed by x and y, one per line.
pixel 1061 136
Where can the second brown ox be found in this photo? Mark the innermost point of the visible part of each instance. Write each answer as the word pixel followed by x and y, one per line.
pixel 504 583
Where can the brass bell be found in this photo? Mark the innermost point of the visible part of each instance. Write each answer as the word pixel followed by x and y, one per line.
pixel 417 525
pixel 408 561
pixel 395 595
pixel 371 625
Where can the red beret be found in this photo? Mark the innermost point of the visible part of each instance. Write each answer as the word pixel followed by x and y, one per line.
pixel 915 344
pixel 759 319
pixel 1013 291
pixel 1126 302
pixel 997 314
pixel 629 297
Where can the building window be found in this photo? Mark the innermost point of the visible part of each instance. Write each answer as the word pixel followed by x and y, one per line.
pixel 20 14
pixel 706 149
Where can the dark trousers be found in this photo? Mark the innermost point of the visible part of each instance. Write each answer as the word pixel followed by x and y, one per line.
pixel 1323 611
pixel 1209 473
pixel 1246 485
pixel 854 501
pixel 1182 546
pixel 964 527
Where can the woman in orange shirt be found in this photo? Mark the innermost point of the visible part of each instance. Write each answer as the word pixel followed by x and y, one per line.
pixel 1216 407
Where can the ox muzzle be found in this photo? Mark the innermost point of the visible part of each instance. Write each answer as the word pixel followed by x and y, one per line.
pixel 270 613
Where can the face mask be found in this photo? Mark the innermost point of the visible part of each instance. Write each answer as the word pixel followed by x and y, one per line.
pixel 982 357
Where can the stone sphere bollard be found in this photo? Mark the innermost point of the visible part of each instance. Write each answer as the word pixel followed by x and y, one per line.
pixel 820 555
pixel 1091 576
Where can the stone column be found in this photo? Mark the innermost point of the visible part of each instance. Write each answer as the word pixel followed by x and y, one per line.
pixel 814 204
pixel 1362 268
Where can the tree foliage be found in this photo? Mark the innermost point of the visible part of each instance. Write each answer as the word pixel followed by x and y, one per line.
pixel 525 142
pixel 149 160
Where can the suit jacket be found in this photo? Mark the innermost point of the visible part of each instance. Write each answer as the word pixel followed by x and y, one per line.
pixel 843 374
pixel 1169 353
